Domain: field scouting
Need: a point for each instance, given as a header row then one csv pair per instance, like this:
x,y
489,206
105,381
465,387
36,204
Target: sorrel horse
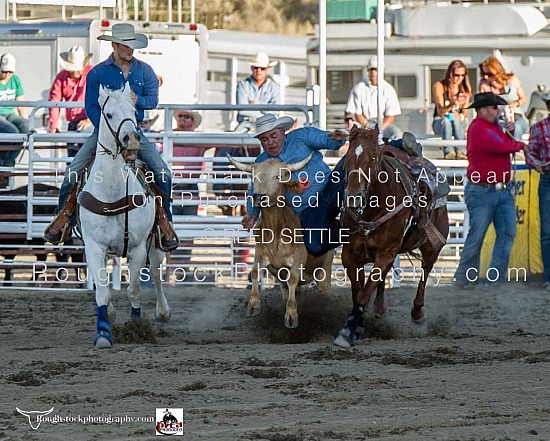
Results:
x,y
385,216
117,213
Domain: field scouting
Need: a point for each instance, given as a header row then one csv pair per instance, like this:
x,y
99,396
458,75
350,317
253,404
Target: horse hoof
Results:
x,y
252,311
135,314
163,318
103,340
291,323
421,317
343,339
380,313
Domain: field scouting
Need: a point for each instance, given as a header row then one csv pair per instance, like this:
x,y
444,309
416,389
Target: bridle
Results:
x,y
356,213
116,134
375,159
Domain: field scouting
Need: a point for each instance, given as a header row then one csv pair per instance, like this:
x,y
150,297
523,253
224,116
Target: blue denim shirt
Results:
x,y
299,144
142,79
247,90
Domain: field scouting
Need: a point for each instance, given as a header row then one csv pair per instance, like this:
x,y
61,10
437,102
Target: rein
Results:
x,y
367,227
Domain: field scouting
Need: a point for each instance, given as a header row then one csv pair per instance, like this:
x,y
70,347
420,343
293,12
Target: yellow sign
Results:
x,y
526,250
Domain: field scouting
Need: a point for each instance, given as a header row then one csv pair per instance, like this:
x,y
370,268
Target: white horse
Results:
x,y
116,213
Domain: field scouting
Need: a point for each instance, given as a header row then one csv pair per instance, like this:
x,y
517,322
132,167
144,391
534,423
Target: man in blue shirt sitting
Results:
x,y
113,73
258,88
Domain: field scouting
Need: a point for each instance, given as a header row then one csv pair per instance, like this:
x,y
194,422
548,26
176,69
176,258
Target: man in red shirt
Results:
x,y
70,85
488,192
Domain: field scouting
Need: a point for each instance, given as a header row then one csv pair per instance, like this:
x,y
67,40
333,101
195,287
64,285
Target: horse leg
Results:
x,y
254,302
97,264
353,328
291,313
162,311
136,261
380,307
429,257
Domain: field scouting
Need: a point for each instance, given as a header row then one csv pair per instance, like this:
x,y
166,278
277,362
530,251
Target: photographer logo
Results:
x,y
169,422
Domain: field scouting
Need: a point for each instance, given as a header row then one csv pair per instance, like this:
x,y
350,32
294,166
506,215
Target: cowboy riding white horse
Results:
x,y
117,212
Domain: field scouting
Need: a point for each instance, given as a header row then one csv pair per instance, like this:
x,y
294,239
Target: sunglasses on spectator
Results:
x,y
459,75
184,115
259,68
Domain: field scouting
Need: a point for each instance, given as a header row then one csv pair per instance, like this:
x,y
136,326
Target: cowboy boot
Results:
x,y
60,227
167,239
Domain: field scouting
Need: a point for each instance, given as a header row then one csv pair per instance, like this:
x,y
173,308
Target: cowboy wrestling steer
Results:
x,y
283,252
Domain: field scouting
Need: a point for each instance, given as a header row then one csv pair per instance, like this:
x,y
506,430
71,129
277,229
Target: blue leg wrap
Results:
x,y
136,313
103,326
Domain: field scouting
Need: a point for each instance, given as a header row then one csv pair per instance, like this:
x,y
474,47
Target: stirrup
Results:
x,y
61,236
158,240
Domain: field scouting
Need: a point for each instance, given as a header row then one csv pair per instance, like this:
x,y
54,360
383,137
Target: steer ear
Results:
x,y
299,165
239,165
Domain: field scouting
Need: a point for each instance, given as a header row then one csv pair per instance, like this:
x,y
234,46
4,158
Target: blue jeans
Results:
x,y
147,153
445,128
323,216
544,210
12,123
486,206
72,149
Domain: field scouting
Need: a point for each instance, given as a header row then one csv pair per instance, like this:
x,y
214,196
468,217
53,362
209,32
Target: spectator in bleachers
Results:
x,y
509,87
186,121
70,85
451,96
12,120
363,102
258,88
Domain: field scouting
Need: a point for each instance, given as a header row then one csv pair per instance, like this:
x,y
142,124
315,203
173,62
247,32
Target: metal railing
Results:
x,y
222,235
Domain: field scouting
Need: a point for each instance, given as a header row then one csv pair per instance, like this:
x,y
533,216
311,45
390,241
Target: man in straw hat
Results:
x,y
314,179
258,88
70,85
488,192
119,68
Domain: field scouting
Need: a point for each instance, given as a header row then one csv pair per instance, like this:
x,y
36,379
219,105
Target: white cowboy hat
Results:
x,y
268,122
150,116
262,60
74,59
197,118
124,33
373,63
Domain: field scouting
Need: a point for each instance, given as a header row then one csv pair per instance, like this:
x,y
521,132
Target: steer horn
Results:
x,y
239,165
299,165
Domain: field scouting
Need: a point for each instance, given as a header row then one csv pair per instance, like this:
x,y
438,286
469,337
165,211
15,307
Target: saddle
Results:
x,y
420,178
63,221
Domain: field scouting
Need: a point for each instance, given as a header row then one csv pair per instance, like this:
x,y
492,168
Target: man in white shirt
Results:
x,y
363,102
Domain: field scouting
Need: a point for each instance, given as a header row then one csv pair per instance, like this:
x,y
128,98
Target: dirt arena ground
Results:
x,y
478,369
